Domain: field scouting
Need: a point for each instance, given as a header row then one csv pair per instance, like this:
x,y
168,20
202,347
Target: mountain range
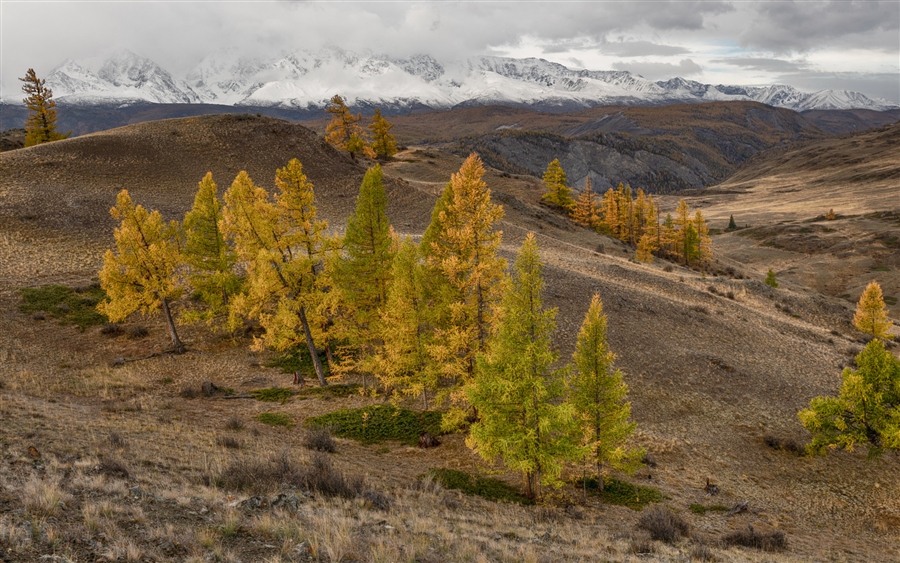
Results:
x,y
307,80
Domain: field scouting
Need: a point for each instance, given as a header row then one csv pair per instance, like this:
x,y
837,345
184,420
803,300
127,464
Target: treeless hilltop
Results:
x,y
717,365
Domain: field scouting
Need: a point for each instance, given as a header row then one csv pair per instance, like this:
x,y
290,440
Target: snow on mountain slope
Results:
x,y
309,79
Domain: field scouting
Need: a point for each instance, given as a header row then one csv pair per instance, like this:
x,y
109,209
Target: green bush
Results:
x,y
377,423
484,487
624,493
272,394
275,419
76,306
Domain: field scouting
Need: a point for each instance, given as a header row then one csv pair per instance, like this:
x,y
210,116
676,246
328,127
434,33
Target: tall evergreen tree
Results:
x,y
363,275
558,191
871,312
208,254
140,274
461,253
598,395
402,360
516,391
866,411
383,143
40,126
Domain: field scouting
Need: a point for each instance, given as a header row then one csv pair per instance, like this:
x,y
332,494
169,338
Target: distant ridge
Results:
x,y
307,80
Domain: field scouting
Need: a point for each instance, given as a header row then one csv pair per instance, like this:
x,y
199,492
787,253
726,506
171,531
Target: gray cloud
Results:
x,y
660,71
764,64
641,49
784,27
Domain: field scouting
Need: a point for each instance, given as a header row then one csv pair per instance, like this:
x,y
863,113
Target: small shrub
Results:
x,y
484,487
296,360
275,419
375,424
234,422
111,329
784,444
77,306
272,395
663,525
188,392
730,295
641,546
229,442
763,541
320,440
116,440
376,499
702,552
332,391
324,478
668,268
137,332
113,467
770,279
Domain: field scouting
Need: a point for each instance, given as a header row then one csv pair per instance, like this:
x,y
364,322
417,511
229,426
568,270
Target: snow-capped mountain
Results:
x,y
307,79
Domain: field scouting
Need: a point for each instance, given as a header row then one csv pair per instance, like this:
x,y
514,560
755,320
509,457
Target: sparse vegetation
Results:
x,y
76,306
623,493
275,419
377,423
663,524
763,541
485,487
702,509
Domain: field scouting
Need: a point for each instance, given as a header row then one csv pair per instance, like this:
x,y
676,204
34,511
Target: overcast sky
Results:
x,y
812,45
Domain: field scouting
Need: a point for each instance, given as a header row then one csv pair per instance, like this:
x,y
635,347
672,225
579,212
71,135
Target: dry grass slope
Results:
x,y
714,375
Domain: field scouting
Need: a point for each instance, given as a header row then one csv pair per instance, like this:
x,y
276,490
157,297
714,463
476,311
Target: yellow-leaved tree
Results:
x,y
587,209
344,131
871,312
465,273
140,274
282,245
40,126
383,143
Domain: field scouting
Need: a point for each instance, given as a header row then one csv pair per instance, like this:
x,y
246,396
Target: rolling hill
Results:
x,y
718,364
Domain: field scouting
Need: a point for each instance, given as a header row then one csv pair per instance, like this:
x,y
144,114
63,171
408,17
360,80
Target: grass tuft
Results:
x,y
375,424
474,485
275,419
272,394
72,306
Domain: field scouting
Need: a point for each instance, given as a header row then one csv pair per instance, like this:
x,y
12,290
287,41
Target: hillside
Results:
x,y
717,365
784,196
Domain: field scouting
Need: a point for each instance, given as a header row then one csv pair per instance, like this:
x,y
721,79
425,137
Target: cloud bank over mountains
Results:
x,y
816,45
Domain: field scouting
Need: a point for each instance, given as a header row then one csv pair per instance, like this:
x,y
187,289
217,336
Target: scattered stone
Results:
x,y
739,507
32,451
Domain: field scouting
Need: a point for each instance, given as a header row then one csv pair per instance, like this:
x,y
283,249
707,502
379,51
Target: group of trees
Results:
x,y
345,133
633,218
440,320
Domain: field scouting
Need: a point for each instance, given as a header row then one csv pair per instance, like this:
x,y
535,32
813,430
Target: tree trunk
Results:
x,y
317,363
529,493
177,345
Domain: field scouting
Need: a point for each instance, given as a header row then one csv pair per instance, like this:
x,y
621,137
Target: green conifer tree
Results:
x,y
558,191
517,393
770,279
865,412
598,396
208,254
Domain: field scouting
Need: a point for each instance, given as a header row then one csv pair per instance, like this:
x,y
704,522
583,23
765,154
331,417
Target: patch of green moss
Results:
x,y
272,394
76,306
275,419
623,493
377,423
484,487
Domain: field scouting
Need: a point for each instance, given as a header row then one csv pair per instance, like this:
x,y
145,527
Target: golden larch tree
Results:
x,y
587,209
871,312
558,191
344,132
383,143
140,274
40,126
